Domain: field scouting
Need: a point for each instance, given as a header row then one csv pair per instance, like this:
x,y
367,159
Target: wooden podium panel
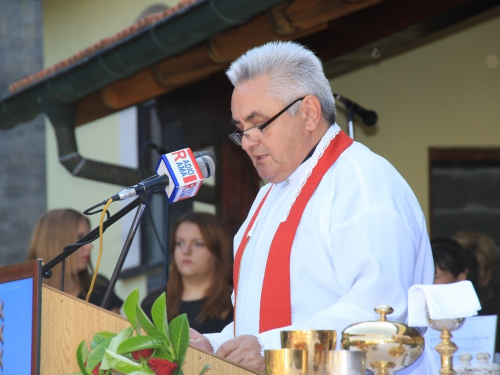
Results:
x,y
196,359
67,320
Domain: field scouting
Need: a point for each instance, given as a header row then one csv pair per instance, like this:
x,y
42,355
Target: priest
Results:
x,y
336,230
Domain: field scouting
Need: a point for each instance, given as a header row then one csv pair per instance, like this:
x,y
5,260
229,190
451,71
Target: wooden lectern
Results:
x,y
67,320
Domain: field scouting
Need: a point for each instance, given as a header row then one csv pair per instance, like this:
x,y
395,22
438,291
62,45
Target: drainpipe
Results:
x,y
63,118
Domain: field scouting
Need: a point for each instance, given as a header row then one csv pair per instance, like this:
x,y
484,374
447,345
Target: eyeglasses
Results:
x,y
237,135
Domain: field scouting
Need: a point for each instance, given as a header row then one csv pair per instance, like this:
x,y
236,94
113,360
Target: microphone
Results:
x,y
368,117
179,173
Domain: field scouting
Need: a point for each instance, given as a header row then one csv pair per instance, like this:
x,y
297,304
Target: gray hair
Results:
x,y
293,70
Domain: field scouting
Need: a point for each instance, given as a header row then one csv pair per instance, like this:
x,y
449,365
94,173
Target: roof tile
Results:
x,y
105,42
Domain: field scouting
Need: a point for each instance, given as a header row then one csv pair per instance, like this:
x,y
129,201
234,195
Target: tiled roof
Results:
x,y
105,42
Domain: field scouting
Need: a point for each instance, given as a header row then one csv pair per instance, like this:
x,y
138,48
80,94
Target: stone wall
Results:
x,y
22,148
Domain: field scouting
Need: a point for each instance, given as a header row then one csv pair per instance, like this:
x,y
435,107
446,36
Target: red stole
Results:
x,y
275,300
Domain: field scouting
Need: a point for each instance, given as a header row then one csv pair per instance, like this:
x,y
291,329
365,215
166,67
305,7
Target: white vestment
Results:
x,y
362,242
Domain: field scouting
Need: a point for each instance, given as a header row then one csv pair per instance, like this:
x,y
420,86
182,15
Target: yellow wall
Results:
x,y
440,94
69,26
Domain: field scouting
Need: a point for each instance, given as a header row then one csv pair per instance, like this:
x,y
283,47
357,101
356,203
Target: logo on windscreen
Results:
x,y
185,166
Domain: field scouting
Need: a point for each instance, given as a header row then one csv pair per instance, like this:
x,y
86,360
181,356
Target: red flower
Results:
x,y
95,371
162,366
144,353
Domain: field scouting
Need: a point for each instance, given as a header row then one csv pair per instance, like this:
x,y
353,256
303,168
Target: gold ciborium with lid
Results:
x,y
389,346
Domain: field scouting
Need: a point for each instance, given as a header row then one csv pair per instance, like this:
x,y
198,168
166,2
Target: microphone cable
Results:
x,y
101,245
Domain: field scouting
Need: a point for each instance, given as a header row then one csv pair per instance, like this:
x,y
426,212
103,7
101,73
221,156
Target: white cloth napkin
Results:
x,y
444,301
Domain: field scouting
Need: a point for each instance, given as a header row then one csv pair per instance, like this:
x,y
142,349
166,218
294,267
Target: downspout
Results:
x,y
63,117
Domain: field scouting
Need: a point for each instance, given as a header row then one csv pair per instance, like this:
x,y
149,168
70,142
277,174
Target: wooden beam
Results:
x,y
91,108
430,28
358,29
306,14
331,28
283,22
137,89
187,68
229,45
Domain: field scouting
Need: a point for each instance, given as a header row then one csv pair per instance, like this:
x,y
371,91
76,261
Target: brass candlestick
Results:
x,y
446,348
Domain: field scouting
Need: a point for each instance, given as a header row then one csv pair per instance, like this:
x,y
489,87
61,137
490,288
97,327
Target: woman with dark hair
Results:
x,y
452,263
53,232
199,274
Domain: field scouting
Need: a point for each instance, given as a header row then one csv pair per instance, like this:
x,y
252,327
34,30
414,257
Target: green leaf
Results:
x,y
125,365
159,315
179,361
82,353
100,337
204,369
115,343
148,326
97,355
130,309
138,343
179,334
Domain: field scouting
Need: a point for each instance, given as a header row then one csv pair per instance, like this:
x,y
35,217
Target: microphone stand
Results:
x,y
369,117
351,110
89,237
143,202
166,255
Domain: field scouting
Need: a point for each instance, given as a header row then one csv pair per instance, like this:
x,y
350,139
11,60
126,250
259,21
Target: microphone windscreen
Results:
x,y
370,118
206,161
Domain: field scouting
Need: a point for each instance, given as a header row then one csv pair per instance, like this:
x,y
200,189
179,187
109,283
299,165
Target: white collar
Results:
x,y
302,173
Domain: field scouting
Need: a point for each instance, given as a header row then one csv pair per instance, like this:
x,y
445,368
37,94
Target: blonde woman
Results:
x,y
55,230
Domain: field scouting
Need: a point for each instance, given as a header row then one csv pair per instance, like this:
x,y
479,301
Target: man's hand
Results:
x,y
244,350
197,340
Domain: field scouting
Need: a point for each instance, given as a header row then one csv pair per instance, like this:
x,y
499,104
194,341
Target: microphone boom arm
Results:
x,y
89,237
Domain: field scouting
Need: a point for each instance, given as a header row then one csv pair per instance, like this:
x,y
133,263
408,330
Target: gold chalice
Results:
x,y
389,346
285,362
316,342
445,348
345,362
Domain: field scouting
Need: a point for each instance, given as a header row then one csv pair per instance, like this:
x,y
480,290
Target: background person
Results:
x,y
198,283
53,232
452,263
482,247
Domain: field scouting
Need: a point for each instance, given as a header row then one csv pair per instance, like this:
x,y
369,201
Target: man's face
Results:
x,y
282,146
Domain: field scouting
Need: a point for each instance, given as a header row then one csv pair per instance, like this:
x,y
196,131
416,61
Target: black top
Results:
x,y
100,287
192,310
